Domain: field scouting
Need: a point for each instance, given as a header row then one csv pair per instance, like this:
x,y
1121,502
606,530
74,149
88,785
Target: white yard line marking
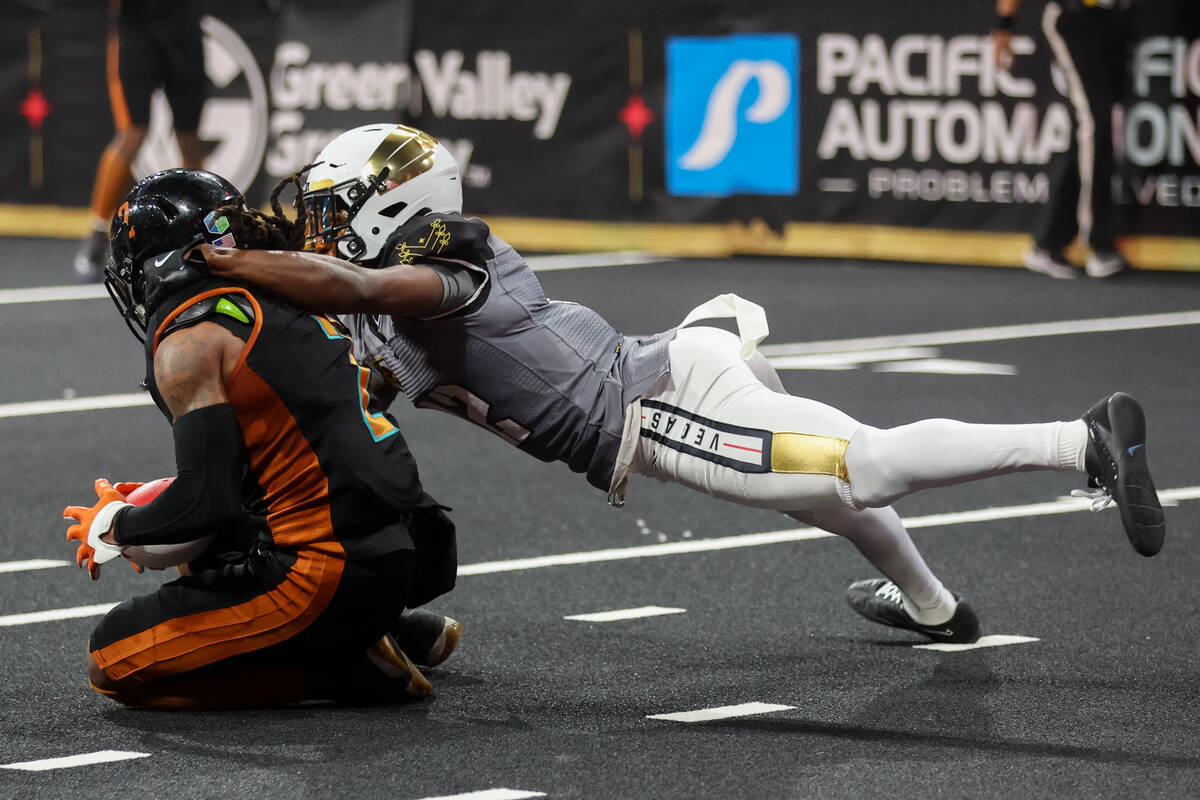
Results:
x,y
995,640
721,712
893,359
81,760
778,353
490,794
626,613
546,263
851,359
48,294
586,260
646,551
1064,505
95,403
30,564
946,366
56,614
993,334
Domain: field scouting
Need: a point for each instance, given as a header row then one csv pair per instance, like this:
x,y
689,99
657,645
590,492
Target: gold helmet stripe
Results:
x,y
406,152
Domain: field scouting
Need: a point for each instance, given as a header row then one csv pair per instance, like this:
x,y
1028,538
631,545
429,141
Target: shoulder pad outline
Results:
x,y
234,306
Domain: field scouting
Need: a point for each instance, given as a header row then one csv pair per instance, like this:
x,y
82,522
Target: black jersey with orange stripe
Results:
x,y
326,466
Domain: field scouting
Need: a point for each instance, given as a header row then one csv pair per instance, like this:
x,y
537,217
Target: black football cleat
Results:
x,y
398,669
430,637
1116,462
881,601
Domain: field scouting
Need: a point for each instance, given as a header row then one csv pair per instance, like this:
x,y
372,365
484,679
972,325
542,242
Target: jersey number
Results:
x,y
461,403
379,425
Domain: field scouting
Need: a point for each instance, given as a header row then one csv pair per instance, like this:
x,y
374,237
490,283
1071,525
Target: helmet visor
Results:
x,y
326,220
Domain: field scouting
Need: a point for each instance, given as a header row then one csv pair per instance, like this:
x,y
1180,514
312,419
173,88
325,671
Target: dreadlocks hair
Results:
x,y
254,229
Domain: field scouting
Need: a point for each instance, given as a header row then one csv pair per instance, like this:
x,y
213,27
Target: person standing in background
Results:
x,y
1089,41
151,44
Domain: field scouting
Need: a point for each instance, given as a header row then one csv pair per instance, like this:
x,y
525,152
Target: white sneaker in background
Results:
x,y
1105,264
89,260
1053,264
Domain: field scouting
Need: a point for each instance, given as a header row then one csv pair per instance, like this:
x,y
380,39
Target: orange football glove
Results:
x,y
91,524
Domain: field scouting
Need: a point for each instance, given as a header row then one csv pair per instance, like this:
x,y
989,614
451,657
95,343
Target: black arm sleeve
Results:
x,y
207,492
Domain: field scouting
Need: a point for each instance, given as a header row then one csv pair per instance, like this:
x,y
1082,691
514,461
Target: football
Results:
x,y
161,556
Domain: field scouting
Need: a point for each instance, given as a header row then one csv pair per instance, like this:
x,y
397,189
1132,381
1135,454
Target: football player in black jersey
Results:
x,y
450,314
322,532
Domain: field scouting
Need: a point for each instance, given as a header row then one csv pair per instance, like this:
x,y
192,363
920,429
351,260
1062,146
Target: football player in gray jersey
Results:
x,y
453,316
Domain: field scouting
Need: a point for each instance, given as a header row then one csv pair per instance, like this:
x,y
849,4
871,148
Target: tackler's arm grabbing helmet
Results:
x,y
369,181
167,211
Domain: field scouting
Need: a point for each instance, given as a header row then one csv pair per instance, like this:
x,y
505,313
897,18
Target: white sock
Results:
x,y
933,610
1072,445
879,534
885,465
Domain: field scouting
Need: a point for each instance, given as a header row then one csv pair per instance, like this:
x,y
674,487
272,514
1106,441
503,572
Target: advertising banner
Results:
x,y
332,68
1158,131
524,98
889,118
53,100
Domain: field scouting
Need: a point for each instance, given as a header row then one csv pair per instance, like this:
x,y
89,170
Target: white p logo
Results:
x,y
719,130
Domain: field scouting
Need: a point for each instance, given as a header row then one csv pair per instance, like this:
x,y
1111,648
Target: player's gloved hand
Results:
x,y
173,271
92,524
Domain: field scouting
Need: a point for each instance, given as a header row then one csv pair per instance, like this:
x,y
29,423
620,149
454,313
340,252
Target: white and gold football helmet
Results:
x,y
369,181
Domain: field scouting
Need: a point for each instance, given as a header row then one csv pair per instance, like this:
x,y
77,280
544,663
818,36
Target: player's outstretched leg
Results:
x,y
913,598
1116,463
881,601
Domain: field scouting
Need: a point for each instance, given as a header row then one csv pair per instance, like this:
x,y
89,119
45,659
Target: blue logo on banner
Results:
x,y
733,115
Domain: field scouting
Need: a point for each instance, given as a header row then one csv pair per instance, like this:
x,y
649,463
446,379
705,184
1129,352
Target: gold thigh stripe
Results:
x,y
809,454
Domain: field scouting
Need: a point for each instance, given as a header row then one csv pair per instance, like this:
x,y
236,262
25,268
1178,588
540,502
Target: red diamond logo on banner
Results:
x,y
35,108
636,115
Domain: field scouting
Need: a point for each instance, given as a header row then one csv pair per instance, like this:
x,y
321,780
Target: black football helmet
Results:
x,y
164,212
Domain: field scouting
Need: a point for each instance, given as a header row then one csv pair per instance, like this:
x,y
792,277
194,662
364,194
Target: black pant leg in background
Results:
x,y
1089,46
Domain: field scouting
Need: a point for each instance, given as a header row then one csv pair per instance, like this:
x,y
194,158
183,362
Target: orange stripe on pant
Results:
x,y
116,93
196,640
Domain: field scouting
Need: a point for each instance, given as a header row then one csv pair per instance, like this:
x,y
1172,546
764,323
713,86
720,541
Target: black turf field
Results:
x,y
1105,704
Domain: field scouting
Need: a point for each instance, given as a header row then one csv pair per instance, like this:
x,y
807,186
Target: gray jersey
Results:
x,y
551,377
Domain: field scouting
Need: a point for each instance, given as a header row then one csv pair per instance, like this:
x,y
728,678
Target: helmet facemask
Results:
x,y
124,289
330,210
